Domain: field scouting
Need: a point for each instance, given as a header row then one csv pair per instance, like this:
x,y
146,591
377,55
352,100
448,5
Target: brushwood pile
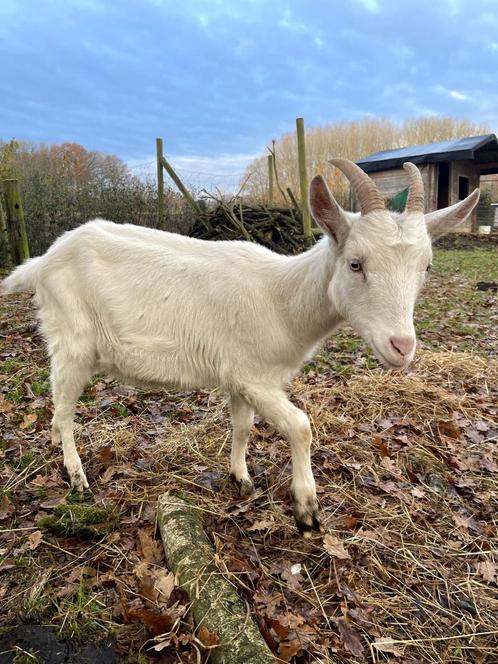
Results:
x,y
278,228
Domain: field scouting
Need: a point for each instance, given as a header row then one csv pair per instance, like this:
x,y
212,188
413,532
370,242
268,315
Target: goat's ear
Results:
x,y
327,212
441,222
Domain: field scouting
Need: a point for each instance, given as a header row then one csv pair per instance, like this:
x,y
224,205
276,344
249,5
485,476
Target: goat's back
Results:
x,y
162,307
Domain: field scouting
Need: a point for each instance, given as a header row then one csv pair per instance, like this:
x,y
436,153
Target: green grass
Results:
x,y
475,264
24,461
452,313
84,615
41,386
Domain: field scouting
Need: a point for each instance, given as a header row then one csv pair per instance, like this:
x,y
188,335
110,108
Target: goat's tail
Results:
x,y
24,277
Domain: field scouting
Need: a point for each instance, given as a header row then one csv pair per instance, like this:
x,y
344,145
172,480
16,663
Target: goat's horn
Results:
x,y
369,196
415,201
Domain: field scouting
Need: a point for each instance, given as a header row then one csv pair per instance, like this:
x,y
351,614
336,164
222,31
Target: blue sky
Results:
x,y
217,79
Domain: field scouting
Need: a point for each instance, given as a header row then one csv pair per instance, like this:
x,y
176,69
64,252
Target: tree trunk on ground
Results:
x,y
215,603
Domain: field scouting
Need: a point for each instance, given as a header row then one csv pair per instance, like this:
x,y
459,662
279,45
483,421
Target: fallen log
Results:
x,y
215,602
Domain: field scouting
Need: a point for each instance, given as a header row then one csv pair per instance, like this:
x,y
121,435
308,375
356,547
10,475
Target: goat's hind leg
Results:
x,y
68,379
242,421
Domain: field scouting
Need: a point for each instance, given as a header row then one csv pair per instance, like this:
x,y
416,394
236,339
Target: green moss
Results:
x,y
80,520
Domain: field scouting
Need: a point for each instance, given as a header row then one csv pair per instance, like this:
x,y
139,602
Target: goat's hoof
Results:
x,y
245,487
307,520
77,479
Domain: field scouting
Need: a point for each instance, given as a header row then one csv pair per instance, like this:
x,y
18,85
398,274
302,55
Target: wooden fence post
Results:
x,y
187,195
270,179
16,227
303,179
160,183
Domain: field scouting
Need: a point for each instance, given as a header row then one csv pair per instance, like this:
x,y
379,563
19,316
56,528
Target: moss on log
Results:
x,y
215,603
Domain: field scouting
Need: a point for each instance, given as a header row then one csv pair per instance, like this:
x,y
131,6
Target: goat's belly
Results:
x,y
144,371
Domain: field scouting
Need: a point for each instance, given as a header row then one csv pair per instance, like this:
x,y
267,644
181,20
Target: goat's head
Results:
x,y
382,257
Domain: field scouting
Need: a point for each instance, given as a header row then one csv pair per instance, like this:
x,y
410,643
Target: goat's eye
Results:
x,y
429,267
355,266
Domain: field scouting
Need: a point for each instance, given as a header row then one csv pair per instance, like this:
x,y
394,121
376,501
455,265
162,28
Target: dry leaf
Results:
x,y
461,521
378,443
156,623
152,550
34,539
164,583
335,547
350,521
6,406
449,428
6,507
207,638
488,570
106,454
29,420
293,581
288,650
108,474
350,637
291,620
261,525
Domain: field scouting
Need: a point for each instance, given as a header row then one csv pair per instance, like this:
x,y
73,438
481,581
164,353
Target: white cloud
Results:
x,y
372,6
288,22
461,96
454,94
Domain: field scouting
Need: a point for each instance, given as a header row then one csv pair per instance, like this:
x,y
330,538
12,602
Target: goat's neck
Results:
x,y
302,286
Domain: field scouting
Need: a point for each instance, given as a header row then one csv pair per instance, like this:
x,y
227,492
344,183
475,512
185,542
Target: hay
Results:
x,y
399,485
410,496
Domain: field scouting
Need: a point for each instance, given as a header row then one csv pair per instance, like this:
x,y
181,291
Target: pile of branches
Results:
x,y
277,228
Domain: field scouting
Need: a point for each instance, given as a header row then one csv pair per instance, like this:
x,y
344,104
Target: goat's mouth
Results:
x,y
390,362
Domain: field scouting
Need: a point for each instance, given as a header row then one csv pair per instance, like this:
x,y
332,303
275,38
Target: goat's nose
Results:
x,y
403,345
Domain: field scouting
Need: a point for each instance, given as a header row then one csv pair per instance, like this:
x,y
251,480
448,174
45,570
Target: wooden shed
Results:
x,y
450,169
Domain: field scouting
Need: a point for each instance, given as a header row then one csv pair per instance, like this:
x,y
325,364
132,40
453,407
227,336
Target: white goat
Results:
x,y
155,308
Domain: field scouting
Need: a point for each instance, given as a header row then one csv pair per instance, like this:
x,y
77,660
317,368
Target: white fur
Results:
x,y
155,308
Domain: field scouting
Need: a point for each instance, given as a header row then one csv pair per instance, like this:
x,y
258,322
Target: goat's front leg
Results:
x,y
293,423
242,421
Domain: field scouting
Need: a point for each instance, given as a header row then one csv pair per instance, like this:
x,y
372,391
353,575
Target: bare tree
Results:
x,y
350,140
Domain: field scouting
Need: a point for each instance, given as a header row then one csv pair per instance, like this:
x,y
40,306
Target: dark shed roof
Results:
x,y
457,149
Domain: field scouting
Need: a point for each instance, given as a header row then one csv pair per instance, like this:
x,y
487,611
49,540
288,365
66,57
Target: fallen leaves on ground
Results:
x,y
407,477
